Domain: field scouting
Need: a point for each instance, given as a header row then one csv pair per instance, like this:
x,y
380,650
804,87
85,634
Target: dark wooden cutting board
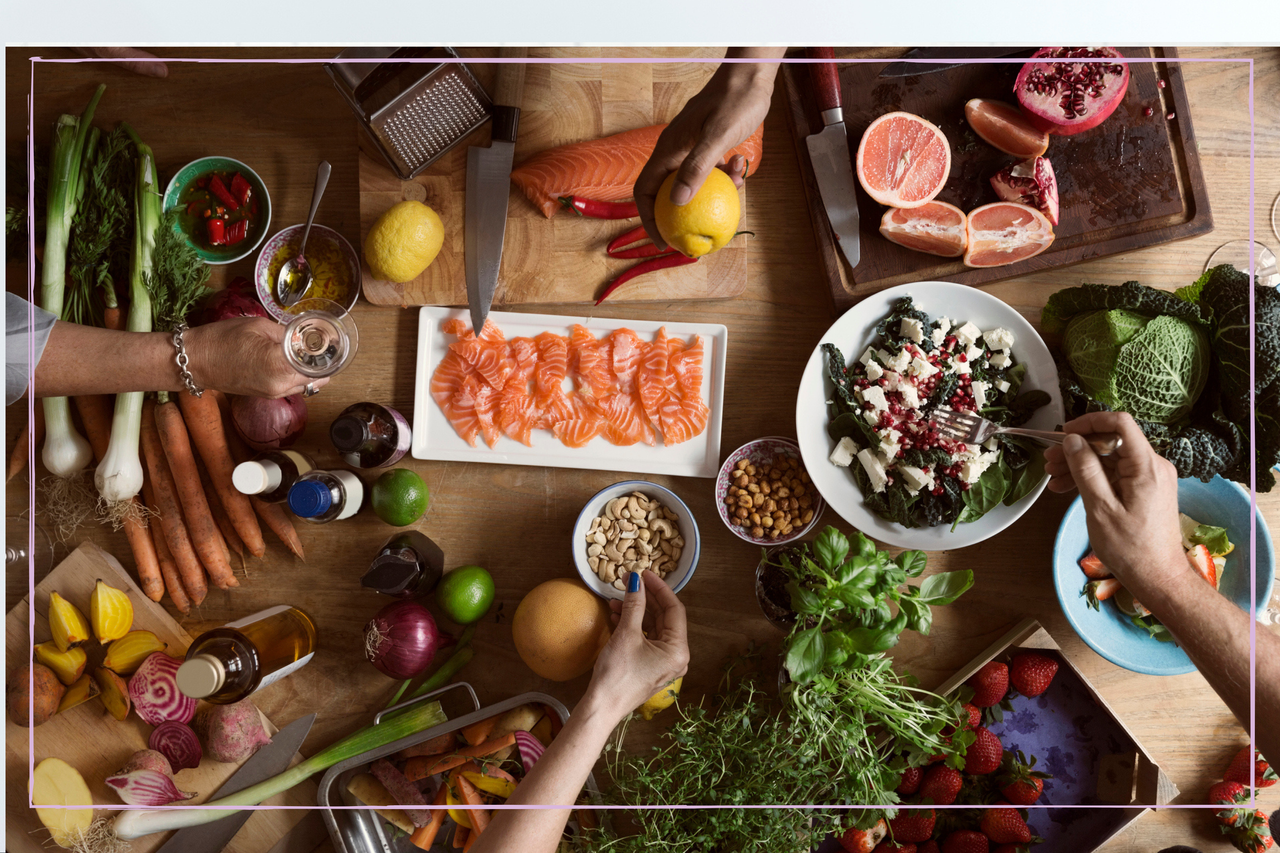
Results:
x,y
1133,181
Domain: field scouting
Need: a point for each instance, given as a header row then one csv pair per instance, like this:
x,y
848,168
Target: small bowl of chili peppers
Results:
x,y
223,207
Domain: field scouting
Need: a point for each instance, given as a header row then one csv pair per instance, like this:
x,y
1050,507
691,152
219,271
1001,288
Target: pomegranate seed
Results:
x,y
1160,83
962,358
1149,112
1170,116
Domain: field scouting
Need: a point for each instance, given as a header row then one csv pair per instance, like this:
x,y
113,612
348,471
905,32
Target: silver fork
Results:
x,y
972,429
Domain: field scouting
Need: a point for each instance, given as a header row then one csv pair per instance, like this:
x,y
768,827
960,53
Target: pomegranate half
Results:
x,y
936,228
1030,182
1068,90
1004,233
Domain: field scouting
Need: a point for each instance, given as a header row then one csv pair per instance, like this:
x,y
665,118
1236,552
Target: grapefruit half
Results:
x,y
903,160
1004,233
935,227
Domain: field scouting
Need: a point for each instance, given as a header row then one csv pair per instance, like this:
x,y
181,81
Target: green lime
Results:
x,y
400,497
465,594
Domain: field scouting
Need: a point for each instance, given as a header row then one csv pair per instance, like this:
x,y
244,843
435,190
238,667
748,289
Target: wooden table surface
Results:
x,y
516,521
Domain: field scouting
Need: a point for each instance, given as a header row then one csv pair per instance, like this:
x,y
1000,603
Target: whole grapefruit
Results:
x,y
559,629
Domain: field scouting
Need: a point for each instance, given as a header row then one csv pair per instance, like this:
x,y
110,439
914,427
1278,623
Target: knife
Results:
x,y
829,153
488,185
270,760
913,69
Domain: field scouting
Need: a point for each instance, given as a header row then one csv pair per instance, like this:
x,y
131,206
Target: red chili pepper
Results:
x,y
648,250
218,188
217,236
600,209
652,265
240,188
236,232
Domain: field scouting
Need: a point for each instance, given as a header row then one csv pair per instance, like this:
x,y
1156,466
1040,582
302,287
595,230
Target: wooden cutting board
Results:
x,y
1133,181
95,743
562,259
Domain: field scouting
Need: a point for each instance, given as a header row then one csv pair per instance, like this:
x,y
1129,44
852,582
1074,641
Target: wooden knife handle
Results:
x,y
508,89
825,78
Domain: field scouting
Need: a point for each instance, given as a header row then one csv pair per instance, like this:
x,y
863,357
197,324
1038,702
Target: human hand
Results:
x,y
720,117
1130,502
140,62
244,355
648,650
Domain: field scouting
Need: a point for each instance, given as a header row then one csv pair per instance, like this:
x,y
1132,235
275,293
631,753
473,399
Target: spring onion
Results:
x,y
136,823
65,451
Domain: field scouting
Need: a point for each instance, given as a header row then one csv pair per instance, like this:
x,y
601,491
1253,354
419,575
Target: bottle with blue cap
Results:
x,y
323,496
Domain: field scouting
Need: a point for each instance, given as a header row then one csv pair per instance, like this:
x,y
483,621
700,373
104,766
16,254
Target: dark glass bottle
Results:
x,y
407,566
322,496
229,663
271,474
370,436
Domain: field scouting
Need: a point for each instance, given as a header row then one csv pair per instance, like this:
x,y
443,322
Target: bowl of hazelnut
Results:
x,y
764,494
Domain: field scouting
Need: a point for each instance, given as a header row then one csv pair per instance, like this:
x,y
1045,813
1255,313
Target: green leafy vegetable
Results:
x,y
1213,538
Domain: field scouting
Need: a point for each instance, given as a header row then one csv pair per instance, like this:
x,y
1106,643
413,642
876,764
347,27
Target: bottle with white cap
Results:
x,y
324,496
229,663
271,475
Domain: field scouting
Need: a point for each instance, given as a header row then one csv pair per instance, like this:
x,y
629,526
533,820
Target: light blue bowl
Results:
x,y
1109,632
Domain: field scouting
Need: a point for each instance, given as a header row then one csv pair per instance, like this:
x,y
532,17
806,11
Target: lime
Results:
x,y
400,497
465,594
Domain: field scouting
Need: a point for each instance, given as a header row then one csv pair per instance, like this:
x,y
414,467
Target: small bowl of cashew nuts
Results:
x,y
634,526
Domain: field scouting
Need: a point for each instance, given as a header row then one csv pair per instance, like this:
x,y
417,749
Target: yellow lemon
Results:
x,y
664,698
706,222
403,242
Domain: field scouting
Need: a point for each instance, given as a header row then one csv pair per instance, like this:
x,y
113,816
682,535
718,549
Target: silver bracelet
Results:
x,y
183,361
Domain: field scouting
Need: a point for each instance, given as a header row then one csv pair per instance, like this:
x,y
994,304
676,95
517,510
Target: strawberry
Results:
x,y
888,846
928,847
1250,833
989,684
1023,792
1093,568
966,841
975,715
1020,784
1009,848
940,785
913,825
1202,561
910,782
1096,591
1245,762
857,840
1228,794
984,754
1005,826
1032,672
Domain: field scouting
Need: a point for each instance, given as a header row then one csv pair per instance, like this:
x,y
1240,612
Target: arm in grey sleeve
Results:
x,y
24,342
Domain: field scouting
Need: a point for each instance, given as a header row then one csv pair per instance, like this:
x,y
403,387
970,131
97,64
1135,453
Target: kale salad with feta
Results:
x,y
880,419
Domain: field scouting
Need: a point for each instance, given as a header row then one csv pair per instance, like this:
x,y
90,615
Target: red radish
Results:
x,y
1004,127
530,749
1202,561
1004,233
936,228
1093,568
401,640
1064,96
231,733
177,743
1030,182
153,689
269,424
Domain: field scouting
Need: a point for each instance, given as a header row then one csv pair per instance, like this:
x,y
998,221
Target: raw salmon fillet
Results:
x,y
604,169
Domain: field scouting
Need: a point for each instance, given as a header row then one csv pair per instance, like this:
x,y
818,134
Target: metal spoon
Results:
x,y
295,276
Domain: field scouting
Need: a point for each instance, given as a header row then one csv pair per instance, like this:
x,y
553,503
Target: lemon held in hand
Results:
x,y
465,594
664,698
706,222
400,497
403,242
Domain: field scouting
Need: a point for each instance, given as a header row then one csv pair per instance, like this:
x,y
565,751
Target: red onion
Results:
x,y
146,788
237,300
269,424
530,749
402,639
178,743
155,694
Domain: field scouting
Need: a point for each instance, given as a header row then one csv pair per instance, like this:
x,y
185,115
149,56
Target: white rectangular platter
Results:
x,y
435,438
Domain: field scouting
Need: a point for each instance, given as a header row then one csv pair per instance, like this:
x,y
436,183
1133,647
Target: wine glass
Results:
x,y
1275,217
1237,253
24,542
321,339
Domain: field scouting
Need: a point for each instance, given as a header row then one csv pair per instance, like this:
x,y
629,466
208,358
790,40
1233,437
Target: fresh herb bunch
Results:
x,y
100,231
178,279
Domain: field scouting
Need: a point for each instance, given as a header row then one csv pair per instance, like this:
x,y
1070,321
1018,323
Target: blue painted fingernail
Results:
x,y
633,582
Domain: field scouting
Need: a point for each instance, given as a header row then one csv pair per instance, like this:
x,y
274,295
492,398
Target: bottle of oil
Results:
x,y
271,475
227,664
324,496
370,436
409,565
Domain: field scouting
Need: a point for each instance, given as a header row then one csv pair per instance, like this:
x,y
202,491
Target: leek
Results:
x,y
119,475
136,823
65,451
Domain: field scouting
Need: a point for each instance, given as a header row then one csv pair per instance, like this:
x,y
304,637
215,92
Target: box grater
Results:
x,y
412,111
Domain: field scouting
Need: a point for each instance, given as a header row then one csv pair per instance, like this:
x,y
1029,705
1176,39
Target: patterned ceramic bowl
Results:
x,y
761,452
175,197
321,239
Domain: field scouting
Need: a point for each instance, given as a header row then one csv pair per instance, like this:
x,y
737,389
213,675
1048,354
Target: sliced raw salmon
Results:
x,y
487,359
625,352
460,409
590,360
651,377
448,377
603,169
624,420
517,415
683,419
552,367
486,405
687,367
577,432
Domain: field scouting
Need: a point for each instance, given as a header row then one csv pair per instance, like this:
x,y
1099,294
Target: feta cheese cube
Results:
x,y
971,451
972,469
958,366
875,396
1000,360
990,457
921,369
891,381
889,442
979,389
998,338
991,443
875,470
868,357
843,453
914,478
944,325
1001,385
910,396
938,336
871,416
911,329
899,361
883,356
874,371
974,352
968,334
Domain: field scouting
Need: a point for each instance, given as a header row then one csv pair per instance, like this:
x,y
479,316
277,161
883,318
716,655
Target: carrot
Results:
x,y
276,519
175,532
22,449
113,318
96,411
204,421
424,836
195,507
436,746
477,732
476,813
144,555
488,747
168,570
225,527
472,835
429,765
460,834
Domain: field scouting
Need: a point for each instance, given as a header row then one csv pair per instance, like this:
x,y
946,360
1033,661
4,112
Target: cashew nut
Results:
x,y
665,545
629,534
594,563
618,584
629,554
663,528
675,554
644,547
627,526
645,533
608,573
611,551
598,538
634,533
633,507
594,550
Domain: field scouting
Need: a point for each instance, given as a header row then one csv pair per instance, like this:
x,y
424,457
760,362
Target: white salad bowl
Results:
x,y
852,333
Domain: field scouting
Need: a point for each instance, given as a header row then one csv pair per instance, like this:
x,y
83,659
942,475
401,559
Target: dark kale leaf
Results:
x,y
1131,295
1025,406
888,328
839,374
